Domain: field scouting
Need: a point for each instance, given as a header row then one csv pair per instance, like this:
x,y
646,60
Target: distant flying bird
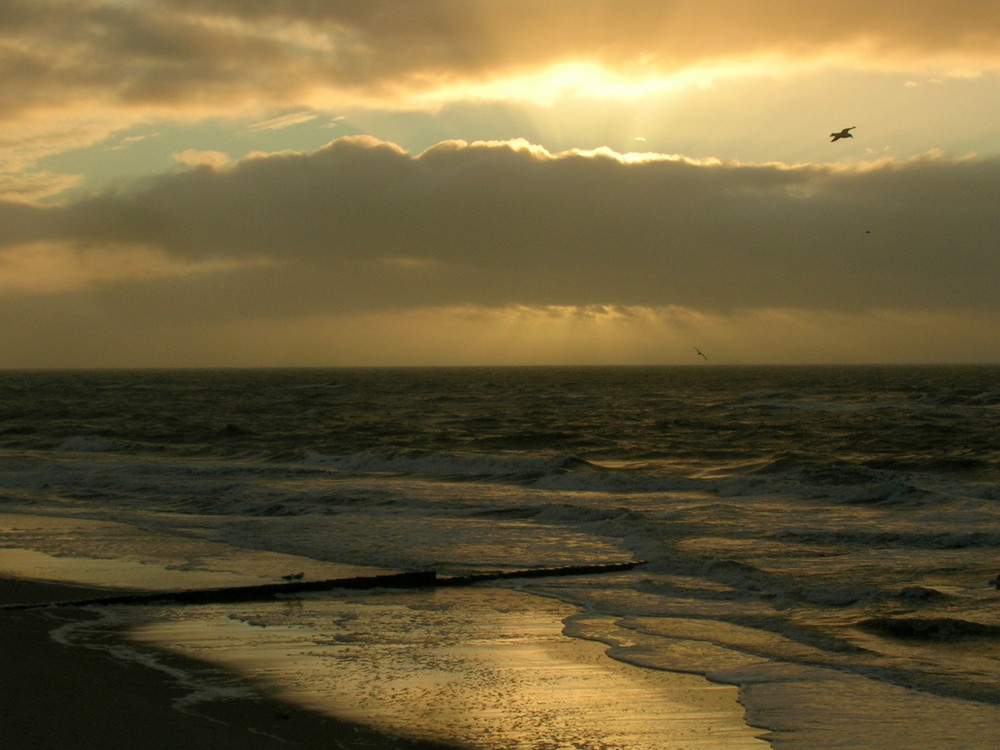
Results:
x,y
845,133
293,577
700,354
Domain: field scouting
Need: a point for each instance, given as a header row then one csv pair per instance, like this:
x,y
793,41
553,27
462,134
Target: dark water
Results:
x,y
935,419
814,518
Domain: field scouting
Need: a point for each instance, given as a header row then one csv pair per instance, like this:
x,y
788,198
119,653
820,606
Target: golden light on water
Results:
x,y
490,668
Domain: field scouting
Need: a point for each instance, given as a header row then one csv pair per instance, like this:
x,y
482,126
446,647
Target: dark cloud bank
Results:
x,y
361,225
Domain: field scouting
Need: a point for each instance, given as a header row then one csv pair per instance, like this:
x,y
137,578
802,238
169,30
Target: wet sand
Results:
x,y
57,697
511,674
473,667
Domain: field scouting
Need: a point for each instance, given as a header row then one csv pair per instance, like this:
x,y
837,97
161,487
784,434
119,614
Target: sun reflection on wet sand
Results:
x,y
488,668
118,555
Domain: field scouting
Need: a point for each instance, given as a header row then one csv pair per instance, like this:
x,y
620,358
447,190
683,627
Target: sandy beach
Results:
x,y
483,667
68,696
58,697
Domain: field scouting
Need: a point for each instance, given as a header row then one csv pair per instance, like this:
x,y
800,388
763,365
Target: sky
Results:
x,y
261,183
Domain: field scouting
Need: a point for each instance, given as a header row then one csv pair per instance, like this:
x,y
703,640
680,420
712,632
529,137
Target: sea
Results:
x,y
822,541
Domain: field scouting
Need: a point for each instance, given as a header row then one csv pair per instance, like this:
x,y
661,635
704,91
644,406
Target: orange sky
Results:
x,y
261,182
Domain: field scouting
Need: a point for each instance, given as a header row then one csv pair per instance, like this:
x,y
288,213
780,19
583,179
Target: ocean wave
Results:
x,y
838,482
934,628
471,465
966,397
922,595
929,540
748,582
557,473
96,444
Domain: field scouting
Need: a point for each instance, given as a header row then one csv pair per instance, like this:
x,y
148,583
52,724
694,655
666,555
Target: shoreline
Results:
x,y
58,696
426,668
85,698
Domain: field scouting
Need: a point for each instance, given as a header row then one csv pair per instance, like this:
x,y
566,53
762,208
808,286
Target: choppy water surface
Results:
x,y
821,537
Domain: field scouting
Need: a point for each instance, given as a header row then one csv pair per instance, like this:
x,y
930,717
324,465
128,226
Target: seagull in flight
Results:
x,y
845,133
700,354
293,577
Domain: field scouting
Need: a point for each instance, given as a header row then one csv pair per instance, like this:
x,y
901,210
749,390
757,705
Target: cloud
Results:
x,y
67,330
212,55
32,185
45,268
283,121
77,71
380,38
192,158
365,241
361,225
131,141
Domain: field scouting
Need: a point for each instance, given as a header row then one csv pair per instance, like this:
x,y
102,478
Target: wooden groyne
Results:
x,y
569,570
267,591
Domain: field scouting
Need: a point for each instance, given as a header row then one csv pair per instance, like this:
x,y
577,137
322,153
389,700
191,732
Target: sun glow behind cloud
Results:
x,y
572,180
559,82
591,80
559,335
